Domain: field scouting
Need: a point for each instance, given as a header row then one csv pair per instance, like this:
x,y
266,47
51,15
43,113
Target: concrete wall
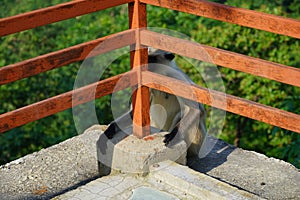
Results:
x,y
67,165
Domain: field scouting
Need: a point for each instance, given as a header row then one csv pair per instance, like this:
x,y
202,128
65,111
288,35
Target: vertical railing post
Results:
x,y
138,62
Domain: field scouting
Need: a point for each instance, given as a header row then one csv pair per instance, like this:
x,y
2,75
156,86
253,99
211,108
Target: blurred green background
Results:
x,y
240,131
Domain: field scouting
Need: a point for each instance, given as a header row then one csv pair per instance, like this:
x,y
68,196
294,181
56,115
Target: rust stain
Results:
x,y
149,138
41,190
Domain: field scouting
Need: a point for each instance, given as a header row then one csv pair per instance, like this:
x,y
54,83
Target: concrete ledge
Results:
x,y
128,154
67,165
53,170
254,172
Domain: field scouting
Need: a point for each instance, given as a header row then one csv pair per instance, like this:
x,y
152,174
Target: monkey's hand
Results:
x,y
170,136
110,131
107,135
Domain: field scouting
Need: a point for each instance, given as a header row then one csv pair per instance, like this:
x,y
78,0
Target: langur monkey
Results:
x,y
180,117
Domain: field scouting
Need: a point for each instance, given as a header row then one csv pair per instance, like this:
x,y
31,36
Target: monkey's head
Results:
x,y
160,56
162,62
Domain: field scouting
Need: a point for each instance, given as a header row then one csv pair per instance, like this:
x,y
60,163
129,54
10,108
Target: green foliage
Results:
x,y
255,135
28,44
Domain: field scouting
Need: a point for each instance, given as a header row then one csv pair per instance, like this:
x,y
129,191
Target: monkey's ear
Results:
x,y
169,56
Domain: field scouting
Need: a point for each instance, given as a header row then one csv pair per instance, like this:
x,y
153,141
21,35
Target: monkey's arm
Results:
x,y
191,115
120,123
114,127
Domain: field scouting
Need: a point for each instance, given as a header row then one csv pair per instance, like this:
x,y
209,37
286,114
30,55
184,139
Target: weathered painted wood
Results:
x,y
139,57
63,57
65,101
255,66
250,109
240,16
53,14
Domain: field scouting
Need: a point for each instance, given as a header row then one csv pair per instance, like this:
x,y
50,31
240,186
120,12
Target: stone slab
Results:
x,y
253,172
128,154
53,170
166,180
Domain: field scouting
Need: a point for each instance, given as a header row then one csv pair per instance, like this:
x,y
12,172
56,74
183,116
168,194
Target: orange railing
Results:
x,y
139,38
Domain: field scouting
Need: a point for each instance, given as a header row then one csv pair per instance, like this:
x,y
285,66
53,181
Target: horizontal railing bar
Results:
x,y
53,14
255,66
240,16
250,109
65,101
66,56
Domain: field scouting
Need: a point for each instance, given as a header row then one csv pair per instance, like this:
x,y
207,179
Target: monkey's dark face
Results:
x,y
160,58
169,56
152,59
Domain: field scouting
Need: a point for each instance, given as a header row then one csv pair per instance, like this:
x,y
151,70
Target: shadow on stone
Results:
x,y
217,156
